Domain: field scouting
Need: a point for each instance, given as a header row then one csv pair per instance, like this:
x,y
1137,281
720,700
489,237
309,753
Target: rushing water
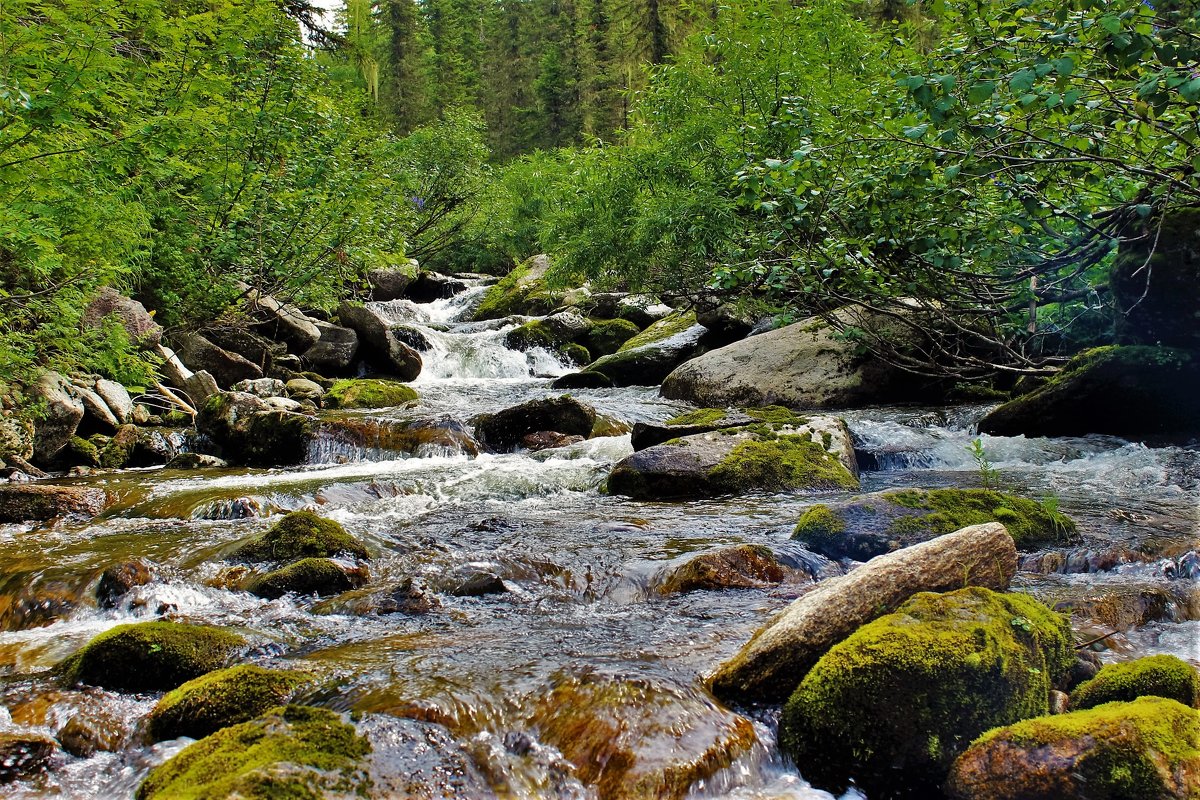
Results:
x,y
578,566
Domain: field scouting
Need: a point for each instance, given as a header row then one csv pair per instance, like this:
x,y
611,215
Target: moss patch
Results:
x,y
605,337
1030,523
301,534
220,699
819,523
369,393
1158,676
292,753
785,462
318,576
150,656
665,328
907,693
701,416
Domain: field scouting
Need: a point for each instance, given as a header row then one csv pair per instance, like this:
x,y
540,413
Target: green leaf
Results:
x,y
981,91
916,131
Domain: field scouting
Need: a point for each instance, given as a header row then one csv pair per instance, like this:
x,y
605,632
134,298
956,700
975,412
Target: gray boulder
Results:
x,y
282,321
384,342
132,315
430,286
63,413
650,356
94,407
334,351
252,346
200,386
390,284
262,387
779,655
304,389
198,353
505,429
116,398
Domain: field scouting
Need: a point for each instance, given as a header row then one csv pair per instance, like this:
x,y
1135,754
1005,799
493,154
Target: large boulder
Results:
x,y
198,353
254,347
249,432
874,524
1149,748
116,398
62,412
780,654
1159,676
384,343
219,699
804,454
522,291
1122,391
806,365
334,352
390,283
301,534
430,286
1155,283
645,359
369,393
898,700
705,420
150,656
132,446
96,414
281,321
505,429
138,323
41,502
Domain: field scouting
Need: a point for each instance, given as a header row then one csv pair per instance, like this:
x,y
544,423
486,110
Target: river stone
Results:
x,y
171,368
262,387
24,754
634,739
36,604
806,455
116,398
249,432
227,368
41,502
704,420
504,430
743,566
522,291
298,535
418,760
119,579
60,419
282,321
548,440
1131,392
134,318
805,366
1149,748
196,461
1159,676
390,283
204,705
640,309
96,412
409,596
367,437
779,655
645,359
308,576
1120,602
382,341
304,389
334,352
430,286
252,346
200,386
150,656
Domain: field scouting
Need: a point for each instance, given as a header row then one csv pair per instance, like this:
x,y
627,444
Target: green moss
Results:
x,y
775,415
819,522
665,328
535,333
81,452
606,336
318,576
293,753
119,450
907,693
369,393
301,534
575,353
521,291
787,462
150,656
1030,523
1160,676
701,416
1130,750
220,699
769,415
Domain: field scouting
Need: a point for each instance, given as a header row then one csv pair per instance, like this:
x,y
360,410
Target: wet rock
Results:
x,y
42,502
319,576
522,291
743,566
1096,391
132,446
357,437
116,398
247,431
94,728
871,525
1159,676
583,380
119,579
301,534
253,347
409,596
220,699
63,411
504,430
642,310
548,440
150,656
634,740
1121,602
334,352
1155,282
806,365
369,393
79,453
132,316
294,751
304,389
35,605
908,693
419,761
390,284
1149,748
383,343
724,319
262,387
606,337
647,358
779,655
470,580
803,455
282,322
199,354
430,286
24,754
705,420
196,461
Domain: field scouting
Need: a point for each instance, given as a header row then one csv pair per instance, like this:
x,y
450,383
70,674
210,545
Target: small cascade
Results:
x,y
352,439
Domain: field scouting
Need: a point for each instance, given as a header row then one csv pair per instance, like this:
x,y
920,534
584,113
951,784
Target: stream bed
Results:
x,y
578,567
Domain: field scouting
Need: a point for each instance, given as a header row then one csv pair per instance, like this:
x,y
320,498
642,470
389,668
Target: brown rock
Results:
x,y
41,502
119,579
133,316
743,566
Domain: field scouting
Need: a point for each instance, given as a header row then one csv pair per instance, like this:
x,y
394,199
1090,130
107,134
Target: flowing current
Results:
x,y
578,565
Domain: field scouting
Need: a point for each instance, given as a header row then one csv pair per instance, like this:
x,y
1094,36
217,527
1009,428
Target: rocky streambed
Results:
x,y
503,618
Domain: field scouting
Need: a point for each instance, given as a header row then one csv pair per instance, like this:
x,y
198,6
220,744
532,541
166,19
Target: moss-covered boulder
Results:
x,y
1155,282
606,337
293,752
150,656
1159,676
645,359
1134,392
319,576
543,334
505,429
906,694
301,534
220,699
369,393
704,420
523,291
815,455
248,431
875,524
1146,749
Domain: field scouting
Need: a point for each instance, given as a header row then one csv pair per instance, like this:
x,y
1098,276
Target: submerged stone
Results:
x,y
743,566
150,656
505,429
41,502
24,754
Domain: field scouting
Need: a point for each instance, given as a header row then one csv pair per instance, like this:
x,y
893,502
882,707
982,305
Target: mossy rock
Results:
x,y
606,337
704,420
150,656
369,393
671,325
319,576
220,699
521,291
779,464
907,693
875,524
1159,676
80,452
292,753
535,333
301,534
1149,748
